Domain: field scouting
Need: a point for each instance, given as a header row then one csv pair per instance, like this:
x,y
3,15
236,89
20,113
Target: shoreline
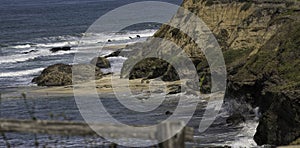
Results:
x,y
103,86
16,91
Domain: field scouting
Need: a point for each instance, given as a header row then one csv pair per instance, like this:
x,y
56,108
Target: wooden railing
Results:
x,y
83,129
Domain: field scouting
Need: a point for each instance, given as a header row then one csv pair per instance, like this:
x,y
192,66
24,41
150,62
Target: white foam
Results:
x,y
25,57
21,73
57,44
22,46
16,58
245,136
117,60
92,38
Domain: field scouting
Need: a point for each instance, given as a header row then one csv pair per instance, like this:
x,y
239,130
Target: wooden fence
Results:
x,y
82,129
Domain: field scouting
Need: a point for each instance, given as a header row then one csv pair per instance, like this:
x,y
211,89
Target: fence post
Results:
x,y
167,129
113,145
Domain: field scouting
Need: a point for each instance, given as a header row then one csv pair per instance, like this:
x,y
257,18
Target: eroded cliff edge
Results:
x,y
260,42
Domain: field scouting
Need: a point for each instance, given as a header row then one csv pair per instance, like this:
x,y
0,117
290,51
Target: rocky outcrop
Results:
x,y
270,80
280,123
260,43
100,62
61,74
151,68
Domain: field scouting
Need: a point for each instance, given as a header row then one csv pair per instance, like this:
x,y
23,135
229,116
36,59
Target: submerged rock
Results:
x,y
168,113
61,74
31,51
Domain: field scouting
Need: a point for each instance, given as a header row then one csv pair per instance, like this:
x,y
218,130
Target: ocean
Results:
x,y
30,28
37,26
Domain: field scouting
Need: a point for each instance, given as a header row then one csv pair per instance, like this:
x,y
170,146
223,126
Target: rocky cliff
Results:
x,y
260,43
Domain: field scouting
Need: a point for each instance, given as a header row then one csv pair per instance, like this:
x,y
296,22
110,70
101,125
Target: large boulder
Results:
x,y
101,62
61,74
149,68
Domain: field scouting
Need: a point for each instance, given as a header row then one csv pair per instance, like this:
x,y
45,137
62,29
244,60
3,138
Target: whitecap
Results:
x,y
25,57
21,73
245,136
22,46
57,44
116,38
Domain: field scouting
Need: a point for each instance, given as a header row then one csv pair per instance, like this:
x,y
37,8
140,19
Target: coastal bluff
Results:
x,y
260,44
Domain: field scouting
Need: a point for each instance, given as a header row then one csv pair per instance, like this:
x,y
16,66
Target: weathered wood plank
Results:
x,y
167,130
82,129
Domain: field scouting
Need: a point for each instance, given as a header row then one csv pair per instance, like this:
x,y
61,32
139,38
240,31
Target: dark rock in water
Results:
x,y
235,119
101,62
138,36
168,113
130,38
27,52
56,49
109,41
61,74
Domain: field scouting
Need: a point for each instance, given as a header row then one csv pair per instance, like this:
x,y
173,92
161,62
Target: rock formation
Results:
x,y
61,74
101,62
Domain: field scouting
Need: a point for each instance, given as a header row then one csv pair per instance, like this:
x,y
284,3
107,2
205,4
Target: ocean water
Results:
x,y
64,108
34,25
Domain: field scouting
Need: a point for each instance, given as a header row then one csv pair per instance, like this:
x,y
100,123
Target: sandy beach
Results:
x,y
104,86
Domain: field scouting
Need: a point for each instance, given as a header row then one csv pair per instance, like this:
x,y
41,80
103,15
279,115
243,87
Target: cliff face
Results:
x,y
237,25
271,80
260,43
